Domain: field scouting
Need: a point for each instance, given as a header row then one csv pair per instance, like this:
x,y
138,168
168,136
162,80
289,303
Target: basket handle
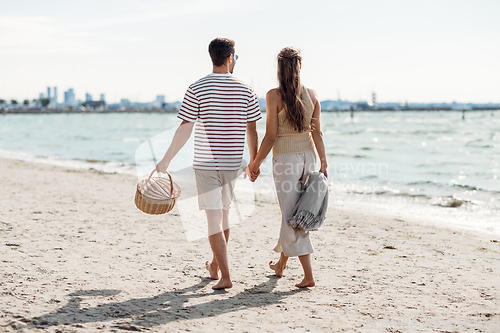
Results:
x,y
171,182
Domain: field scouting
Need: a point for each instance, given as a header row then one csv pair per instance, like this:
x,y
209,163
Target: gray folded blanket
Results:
x,y
310,211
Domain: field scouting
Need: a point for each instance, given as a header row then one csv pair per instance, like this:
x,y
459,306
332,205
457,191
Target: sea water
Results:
x,y
428,165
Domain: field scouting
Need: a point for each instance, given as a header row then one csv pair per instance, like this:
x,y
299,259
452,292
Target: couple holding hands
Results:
x,y
224,110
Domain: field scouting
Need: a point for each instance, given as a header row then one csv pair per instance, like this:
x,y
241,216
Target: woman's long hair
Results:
x,y
289,60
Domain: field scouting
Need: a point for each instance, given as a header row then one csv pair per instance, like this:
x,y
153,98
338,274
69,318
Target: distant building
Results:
x,y
48,92
88,97
334,105
54,98
69,98
374,99
460,106
125,103
41,96
361,105
159,101
102,98
160,98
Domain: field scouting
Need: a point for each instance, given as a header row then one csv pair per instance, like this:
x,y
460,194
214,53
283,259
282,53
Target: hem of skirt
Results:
x,y
277,250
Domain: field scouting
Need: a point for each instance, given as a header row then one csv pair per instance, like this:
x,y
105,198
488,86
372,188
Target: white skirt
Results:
x,y
290,171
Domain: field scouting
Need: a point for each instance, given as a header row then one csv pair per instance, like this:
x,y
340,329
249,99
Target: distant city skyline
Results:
x,y
415,52
71,100
90,104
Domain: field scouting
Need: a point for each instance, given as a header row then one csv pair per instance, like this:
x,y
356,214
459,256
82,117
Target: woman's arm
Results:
x,y
317,135
271,132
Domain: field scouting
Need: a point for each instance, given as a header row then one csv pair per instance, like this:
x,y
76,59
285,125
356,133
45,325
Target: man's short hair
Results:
x,y
220,49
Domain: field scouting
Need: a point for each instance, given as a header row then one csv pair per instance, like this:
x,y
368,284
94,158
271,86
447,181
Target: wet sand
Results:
x,y
78,256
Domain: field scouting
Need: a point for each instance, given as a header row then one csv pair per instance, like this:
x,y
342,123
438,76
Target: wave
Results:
x,y
352,132
447,197
369,177
480,147
478,143
423,196
424,182
450,202
419,132
437,173
347,155
453,163
390,193
461,186
82,138
468,187
93,161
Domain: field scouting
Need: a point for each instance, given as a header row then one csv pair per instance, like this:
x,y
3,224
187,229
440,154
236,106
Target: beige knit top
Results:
x,y
288,140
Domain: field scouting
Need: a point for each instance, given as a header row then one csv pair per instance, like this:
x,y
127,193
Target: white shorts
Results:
x,y
215,188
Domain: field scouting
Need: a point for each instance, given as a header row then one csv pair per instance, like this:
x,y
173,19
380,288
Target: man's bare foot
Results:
x,y
277,267
214,273
223,284
306,283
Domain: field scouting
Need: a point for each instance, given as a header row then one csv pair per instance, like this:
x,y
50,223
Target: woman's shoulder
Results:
x,y
273,93
313,94
273,96
273,100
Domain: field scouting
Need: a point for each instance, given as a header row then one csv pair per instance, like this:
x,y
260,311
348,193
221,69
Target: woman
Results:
x,y
292,130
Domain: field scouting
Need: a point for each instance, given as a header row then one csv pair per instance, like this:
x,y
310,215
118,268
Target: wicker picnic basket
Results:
x,y
156,195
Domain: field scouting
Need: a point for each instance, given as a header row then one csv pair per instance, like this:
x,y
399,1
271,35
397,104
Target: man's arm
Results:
x,y
180,138
252,139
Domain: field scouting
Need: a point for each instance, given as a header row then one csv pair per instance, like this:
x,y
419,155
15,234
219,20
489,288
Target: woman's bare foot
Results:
x,y
277,267
214,272
306,283
223,284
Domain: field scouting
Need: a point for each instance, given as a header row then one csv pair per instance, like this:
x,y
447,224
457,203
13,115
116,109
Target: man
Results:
x,y
224,108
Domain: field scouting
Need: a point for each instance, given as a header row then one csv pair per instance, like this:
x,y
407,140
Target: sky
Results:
x,y
405,51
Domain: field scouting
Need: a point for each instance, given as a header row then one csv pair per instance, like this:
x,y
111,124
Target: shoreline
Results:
x,y
78,255
352,203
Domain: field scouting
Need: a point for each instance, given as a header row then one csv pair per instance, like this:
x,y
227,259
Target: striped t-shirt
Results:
x,y
221,105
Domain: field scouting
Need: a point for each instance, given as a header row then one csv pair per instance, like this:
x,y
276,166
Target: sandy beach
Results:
x,y
78,256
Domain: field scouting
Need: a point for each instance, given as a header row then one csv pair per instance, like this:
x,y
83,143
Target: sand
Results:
x,y
76,255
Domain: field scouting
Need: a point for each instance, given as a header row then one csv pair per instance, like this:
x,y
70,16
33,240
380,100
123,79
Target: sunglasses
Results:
x,y
235,57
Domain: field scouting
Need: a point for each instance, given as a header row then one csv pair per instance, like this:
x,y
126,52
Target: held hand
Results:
x,y
323,170
246,173
254,176
253,171
162,166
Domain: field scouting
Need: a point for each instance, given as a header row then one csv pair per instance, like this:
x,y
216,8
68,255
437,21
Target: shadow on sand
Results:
x,y
159,309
